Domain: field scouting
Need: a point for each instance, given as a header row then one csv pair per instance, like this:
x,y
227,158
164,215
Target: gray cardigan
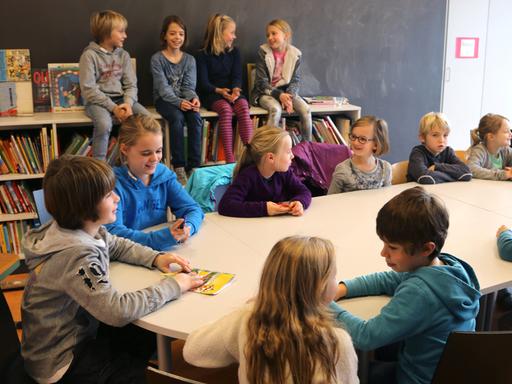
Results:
x,y
479,162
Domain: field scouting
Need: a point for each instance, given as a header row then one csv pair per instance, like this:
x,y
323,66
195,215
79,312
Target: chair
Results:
x,y
203,183
399,172
42,213
462,155
251,77
475,357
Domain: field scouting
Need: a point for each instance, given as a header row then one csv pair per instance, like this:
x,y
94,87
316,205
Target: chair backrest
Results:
x,y
251,77
475,357
42,213
462,155
399,172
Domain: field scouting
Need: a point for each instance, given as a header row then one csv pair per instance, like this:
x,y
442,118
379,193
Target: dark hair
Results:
x,y
74,186
489,123
380,132
165,26
412,219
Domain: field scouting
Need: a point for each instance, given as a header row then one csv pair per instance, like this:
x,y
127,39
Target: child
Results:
x,y
433,293
219,70
490,157
433,161
107,80
70,310
277,80
263,184
285,335
146,189
368,139
174,84
504,235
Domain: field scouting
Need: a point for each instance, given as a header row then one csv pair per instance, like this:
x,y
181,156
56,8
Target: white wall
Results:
x,y
474,87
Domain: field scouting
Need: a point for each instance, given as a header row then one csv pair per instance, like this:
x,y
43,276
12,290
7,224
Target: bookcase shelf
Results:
x,y
20,176
18,216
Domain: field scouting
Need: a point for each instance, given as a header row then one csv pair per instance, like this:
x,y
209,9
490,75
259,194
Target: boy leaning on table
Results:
x,y
432,293
74,321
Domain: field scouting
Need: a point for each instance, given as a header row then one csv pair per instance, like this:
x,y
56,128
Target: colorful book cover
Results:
x,y
7,99
41,90
214,282
65,92
15,65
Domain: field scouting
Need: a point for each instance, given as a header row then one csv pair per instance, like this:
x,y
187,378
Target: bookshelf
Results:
x,y
58,125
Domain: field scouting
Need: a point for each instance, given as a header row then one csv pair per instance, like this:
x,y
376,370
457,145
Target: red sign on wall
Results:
x,y
466,47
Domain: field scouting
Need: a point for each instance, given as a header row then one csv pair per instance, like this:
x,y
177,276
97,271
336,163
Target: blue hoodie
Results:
x,y
505,245
142,206
426,306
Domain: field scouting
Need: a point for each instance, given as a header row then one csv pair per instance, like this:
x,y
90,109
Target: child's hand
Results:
x,y
122,111
508,172
274,209
501,229
286,102
188,281
164,260
186,105
196,104
235,94
180,231
341,292
224,92
296,208
432,167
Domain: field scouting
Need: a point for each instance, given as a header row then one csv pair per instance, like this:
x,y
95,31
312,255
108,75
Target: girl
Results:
x,y
174,83
263,184
490,157
219,70
277,80
286,335
147,188
368,139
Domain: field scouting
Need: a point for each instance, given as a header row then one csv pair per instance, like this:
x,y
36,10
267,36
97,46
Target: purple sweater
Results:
x,y
249,193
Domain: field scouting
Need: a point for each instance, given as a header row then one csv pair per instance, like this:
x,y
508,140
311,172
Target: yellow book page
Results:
x,y
214,282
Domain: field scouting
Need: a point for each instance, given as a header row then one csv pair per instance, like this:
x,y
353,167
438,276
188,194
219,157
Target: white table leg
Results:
x,y
163,347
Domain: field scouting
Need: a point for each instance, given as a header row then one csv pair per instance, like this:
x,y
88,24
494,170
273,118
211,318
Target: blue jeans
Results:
x,y
102,119
177,120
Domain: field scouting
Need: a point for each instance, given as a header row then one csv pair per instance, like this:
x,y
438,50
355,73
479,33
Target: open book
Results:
x,y
214,282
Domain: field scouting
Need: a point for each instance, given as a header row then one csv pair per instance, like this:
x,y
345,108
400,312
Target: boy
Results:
x,y
70,309
433,293
107,79
433,161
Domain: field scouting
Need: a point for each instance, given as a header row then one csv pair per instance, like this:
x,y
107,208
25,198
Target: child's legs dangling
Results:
x,y
274,109
176,119
225,126
302,109
102,121
244,120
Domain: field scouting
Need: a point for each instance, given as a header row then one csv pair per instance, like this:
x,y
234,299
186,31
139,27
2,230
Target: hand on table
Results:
x,y
296,208
274,209
180,231
501,229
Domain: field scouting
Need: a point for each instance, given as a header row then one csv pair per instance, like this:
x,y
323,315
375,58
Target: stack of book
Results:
x,y
28,154
81,145
15,198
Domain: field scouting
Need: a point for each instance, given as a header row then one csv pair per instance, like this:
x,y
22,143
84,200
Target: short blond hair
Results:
x,y
284,27
433,120
104,22
213,41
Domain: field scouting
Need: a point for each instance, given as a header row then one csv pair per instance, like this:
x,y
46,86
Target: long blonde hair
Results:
x,y
266,139
213,42
489,123
134,127
290,331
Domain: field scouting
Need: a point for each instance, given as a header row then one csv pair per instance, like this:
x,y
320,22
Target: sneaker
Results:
x,y
181,174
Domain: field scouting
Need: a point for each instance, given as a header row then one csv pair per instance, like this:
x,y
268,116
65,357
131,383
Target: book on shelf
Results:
x,y
7,99
65,92
41,90
15,65
326,100
214,282
16,71
15,198
343,124
11,235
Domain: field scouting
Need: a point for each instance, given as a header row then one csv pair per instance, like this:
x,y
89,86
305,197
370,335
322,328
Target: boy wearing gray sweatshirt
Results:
x,y
74,322
107,80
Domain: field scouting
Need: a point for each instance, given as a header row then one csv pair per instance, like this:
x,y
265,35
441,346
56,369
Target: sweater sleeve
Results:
x,y
476,163
129,80
453,166
215,344
234,202
379,283
161,83
418,170
338,181
294,84
183,205
505,245
236,70
262,85
188,86
203,80
296,190
89,86
406,314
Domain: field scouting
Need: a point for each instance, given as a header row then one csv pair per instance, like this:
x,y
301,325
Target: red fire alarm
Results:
x,y
466,48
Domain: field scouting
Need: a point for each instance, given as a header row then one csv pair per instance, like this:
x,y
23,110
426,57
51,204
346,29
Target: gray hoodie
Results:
x,y
69,292
105,75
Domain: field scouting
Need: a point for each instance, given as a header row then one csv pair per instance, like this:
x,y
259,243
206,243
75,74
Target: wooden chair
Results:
x,y
251,77
475,357
399,172
462,155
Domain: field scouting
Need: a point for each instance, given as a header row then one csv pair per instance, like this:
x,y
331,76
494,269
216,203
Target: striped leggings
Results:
x,y
225,126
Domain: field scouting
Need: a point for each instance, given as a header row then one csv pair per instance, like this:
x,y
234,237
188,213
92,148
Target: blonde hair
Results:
x,y
290,331
489,123
284,27
104,22
432,120
266,139
213,41
380,132
133,128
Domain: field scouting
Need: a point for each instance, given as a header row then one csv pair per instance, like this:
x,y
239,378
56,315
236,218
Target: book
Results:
x,y
214,282
41,90
65,92
8,99
15,65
